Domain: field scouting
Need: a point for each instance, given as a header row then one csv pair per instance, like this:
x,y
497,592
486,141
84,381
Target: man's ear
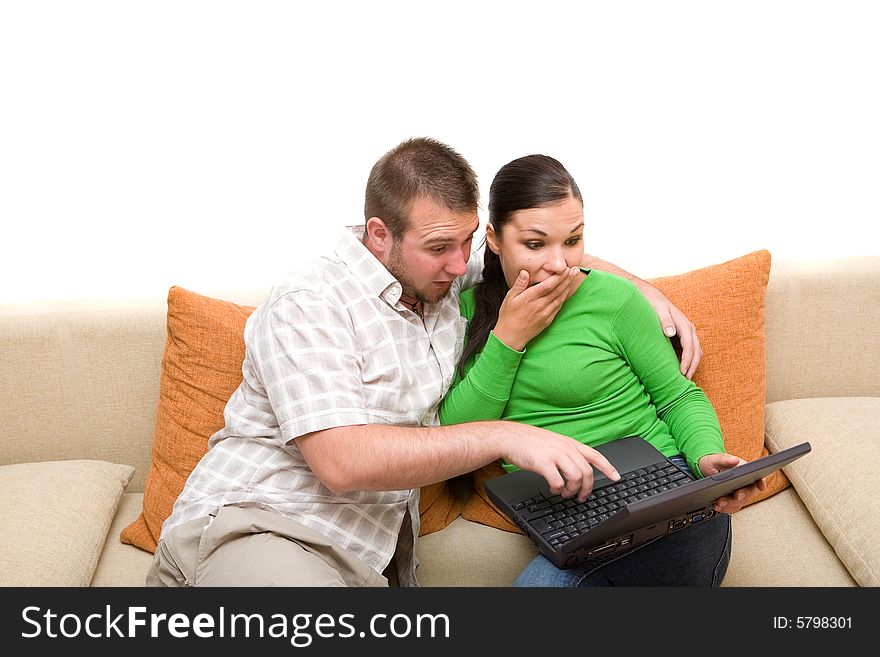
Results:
x,y
378,236
492,239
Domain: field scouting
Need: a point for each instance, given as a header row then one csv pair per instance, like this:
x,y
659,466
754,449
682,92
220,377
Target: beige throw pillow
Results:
x,y
837,481
55,517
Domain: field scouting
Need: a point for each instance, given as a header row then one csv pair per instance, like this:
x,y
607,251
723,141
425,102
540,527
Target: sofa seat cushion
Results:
x,y
838,480
121,564
776,543
55,517
470,554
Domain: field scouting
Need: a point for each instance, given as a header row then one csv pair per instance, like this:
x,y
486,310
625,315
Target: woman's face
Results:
x,y
543,241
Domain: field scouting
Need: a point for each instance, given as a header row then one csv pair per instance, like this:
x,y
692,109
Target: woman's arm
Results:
x,y
679,402
483,393
525,312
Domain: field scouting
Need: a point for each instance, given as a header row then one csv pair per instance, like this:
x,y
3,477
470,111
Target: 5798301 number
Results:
x,y
813,622
823,622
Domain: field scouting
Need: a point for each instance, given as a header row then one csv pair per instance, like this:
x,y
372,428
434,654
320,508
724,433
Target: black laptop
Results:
x,y
653,497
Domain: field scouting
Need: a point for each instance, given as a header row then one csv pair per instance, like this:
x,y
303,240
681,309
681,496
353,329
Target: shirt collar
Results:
x,y
365,266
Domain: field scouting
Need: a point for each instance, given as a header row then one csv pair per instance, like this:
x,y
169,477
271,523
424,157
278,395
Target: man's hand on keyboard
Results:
x,y
713,464
563,462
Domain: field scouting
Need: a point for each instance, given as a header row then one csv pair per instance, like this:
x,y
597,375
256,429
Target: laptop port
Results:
x,y
599,551
697,518
677,524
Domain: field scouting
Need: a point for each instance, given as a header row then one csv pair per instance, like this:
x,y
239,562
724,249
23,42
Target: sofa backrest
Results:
x,y
823,329
81,380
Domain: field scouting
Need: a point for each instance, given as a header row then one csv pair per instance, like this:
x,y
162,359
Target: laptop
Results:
x,y
653,498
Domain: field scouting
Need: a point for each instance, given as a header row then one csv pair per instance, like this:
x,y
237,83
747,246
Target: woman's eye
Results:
x,y
533,245
573,241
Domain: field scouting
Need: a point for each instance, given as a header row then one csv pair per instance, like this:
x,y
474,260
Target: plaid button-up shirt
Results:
x,y
331,346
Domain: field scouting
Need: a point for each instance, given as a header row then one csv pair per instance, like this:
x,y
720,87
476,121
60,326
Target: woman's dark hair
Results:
x,y
528,182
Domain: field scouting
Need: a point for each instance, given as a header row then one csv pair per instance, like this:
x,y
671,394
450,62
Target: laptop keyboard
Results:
x,y
559,520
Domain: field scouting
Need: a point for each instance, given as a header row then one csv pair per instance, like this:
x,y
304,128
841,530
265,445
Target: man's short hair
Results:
x,y
419,167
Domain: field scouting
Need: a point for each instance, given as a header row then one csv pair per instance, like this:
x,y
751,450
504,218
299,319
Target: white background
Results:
x,y
214,145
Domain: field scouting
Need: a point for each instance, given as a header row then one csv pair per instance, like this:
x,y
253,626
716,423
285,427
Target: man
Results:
x,y
314,479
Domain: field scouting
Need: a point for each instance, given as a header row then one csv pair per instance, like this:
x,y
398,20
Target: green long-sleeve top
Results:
x,y
602,370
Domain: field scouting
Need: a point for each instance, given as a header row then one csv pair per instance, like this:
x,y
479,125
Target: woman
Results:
x,y
601,370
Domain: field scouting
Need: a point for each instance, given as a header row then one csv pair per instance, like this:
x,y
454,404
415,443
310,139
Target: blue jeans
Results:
x,y
696,556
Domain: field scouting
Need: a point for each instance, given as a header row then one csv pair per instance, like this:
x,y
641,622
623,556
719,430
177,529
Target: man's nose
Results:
x,y
457,263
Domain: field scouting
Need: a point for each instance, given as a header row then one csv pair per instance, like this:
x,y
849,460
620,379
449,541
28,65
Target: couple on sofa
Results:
x,y
353,361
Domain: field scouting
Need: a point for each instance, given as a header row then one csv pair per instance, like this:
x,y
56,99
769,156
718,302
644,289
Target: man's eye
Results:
x,y
438,249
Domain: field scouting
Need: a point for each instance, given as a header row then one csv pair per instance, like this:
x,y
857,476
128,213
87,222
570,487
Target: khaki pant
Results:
x,y
249,546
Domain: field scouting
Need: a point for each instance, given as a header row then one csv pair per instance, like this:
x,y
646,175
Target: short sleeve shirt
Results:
x,y
330,346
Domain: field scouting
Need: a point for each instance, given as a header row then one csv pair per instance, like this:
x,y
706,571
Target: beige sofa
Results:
x,y
79,387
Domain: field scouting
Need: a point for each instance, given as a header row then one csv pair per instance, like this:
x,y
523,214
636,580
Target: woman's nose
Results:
x,y
555,262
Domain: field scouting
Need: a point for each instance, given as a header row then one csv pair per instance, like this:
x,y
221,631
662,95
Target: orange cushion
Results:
x,y
479,508
201,368
437,507
726,304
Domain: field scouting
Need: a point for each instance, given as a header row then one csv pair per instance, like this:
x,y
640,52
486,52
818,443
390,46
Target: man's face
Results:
x,y
433,251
